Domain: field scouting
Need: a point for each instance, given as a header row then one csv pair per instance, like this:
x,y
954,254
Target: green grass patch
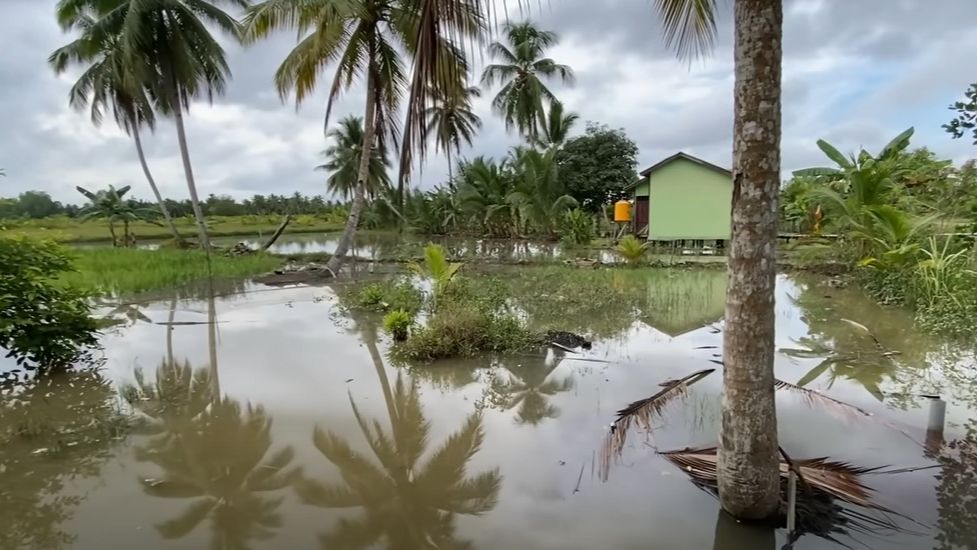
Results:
x,y
65,229
129,270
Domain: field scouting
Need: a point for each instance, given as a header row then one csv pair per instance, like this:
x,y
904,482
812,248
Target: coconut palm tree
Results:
x,y
748,464
218,458
529,388
484,189
366,38
168,48
343,161
406,502
555,126
539,194
521,72
451,121
105,85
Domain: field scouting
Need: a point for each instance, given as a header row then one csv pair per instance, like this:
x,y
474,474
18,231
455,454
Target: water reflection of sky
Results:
x,y
293,353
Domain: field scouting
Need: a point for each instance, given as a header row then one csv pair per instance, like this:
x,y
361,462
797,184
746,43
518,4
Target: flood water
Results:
x,y
318,440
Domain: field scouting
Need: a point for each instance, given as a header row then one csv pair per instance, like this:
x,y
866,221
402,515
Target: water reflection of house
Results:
x,y
686,301
683,198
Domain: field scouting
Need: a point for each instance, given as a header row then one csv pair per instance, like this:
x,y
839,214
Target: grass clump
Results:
x,y
397,323
464,332
129,270
387,296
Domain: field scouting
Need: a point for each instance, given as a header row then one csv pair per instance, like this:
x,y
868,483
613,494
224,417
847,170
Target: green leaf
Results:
x,y
816,372
817,172
897,144
834,154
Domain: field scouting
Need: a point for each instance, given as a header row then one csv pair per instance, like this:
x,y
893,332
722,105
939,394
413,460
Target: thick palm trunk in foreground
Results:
x,y
152,183
359,194
181,135
749,481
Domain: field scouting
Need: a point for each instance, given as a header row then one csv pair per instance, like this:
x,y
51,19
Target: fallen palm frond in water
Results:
x,y
817,399
821,483
642,412
838,479
840,409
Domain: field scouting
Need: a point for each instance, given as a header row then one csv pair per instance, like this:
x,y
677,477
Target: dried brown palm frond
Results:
x,y
840,480
822,484
642,412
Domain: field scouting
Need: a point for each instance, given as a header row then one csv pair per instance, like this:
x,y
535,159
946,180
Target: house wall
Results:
x,y
642,189
688,201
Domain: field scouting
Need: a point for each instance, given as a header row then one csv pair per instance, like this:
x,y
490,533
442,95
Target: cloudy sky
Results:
x,y
855,72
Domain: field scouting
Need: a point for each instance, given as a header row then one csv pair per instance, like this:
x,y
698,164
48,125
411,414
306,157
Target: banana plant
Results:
x,y
111,205
852,191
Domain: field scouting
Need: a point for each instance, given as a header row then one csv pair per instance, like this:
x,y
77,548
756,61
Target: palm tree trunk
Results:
x,y
181,135
115,240
388,396
152,183
125,233
215,383
169,331
749,479
359,193
451,175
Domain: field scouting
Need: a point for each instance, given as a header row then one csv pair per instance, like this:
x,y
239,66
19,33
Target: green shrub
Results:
x,y
576,227
464,332
632,249
398,324
41,321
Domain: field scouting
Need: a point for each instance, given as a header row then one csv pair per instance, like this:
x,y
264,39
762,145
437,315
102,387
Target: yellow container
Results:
x,y
622,211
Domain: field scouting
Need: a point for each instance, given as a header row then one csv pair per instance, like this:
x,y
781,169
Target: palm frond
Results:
x,y
837,479
689,25
816,399
642,413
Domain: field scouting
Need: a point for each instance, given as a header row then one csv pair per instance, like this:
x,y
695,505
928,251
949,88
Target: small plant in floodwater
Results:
x,y
390,296
631,249
372,295
398,324
437,268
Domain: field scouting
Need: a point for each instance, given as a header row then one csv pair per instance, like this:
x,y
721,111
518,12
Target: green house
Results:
x,y
683,198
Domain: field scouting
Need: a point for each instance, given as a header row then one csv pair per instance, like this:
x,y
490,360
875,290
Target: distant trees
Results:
x,y
596,166
39,204
966,120
30,204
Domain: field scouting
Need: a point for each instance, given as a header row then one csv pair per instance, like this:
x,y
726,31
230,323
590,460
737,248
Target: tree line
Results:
x,y
39,204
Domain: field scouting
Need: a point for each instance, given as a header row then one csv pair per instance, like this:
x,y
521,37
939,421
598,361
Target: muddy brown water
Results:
x,y
319,441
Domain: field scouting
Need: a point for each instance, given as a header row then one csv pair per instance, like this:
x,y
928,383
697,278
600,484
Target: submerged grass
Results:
x,y
128,270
